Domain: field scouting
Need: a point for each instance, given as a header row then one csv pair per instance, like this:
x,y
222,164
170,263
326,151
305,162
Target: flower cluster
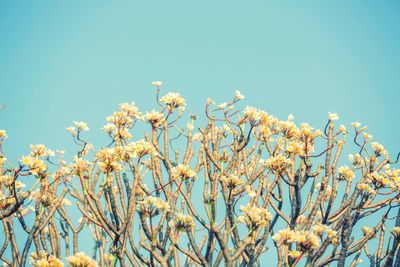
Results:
x,y
108,160
254,216
36,166
182,171
155,118
378,149
278,163
173,101
332,236
346,173
140,148
121,121
3,135
44,260
252,114
305,240
366,188
78,127
182,222
150,206
232,181
80,259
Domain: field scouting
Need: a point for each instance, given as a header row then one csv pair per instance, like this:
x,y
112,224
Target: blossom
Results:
x,y
71,130
3,134
41,151
44,260
130,109
342,129
378,148
284,236
156,83
210,101
182,222
346,173
238,95
333,116
356,124
36,166
366,188
140,148
294,254
254,216
108,160
81,126
223,105
80,165
320,229
278,163
367,231
232,181
182,171
80,259
252,113
173,101
250,191
155,118
152,205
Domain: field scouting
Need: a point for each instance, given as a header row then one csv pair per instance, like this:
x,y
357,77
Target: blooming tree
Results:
x,y
237,188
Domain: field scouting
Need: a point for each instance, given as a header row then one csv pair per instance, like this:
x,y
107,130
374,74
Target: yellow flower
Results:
x,y
333,116
81,126
108,160
238,95
140,148
173,101
155,118
80,259
3,134
254,216
232,181
182,222
294,254
36,166
156,83
182,171
346,173
152,205
43,260
252,113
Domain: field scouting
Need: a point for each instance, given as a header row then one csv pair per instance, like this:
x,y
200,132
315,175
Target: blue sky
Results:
x,y
77,60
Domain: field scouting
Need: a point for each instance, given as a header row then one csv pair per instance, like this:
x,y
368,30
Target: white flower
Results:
x,y
290,117
252,113
210,101
174,100
238,95
3,134
71,130
333,116
356,124
222,105
156,83
81,126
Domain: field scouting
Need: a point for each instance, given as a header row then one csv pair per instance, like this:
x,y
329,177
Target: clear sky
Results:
x,y
77,60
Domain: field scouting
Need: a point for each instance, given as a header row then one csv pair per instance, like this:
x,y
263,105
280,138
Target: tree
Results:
x,y
224,193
